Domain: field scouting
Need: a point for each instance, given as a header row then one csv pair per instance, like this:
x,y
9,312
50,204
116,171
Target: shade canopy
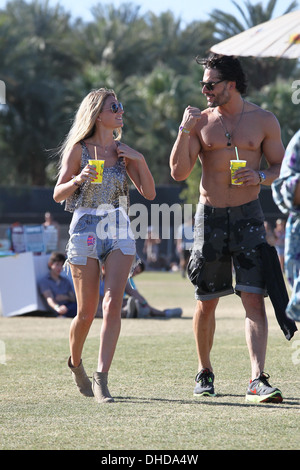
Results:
x,y
279,38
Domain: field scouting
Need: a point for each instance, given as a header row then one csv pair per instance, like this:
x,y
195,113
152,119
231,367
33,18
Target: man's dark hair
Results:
x,y
229,68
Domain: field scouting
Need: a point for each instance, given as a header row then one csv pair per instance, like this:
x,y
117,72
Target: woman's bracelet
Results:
x,y
74,181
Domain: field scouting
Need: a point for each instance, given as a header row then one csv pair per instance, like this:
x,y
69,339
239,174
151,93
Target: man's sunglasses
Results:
x,y
115,107
210,85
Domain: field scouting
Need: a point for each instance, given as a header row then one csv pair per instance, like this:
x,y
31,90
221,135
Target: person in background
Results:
x,y
51,233
49,221
184,244
134,303
136,306
57,290
286,194
279,233
151,249
270,237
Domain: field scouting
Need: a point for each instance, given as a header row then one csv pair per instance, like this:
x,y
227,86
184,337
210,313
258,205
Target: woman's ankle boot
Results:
x,y
100,388
81,379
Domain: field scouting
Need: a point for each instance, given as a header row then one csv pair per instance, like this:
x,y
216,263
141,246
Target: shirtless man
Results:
x,y
229,223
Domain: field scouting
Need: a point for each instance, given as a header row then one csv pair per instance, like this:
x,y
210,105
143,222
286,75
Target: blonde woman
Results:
x,y
99,231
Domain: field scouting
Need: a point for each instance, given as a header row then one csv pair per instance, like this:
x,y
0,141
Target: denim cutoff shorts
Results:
x,y
227,238
96,236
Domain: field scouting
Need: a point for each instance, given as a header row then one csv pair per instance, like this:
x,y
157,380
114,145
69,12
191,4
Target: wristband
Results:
x,y
74,181
262,177
182,129
56,307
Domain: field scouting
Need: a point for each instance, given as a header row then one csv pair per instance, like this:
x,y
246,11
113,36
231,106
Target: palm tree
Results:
x,y
154,104
119,37
228,25
38,60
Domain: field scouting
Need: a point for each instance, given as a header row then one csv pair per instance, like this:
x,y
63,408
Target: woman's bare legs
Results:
x,y
117,267
86,284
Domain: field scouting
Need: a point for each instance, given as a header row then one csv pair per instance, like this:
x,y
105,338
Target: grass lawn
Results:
x,y
151,379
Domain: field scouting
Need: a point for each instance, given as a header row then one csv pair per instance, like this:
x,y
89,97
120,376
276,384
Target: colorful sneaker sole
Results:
x,y
275,397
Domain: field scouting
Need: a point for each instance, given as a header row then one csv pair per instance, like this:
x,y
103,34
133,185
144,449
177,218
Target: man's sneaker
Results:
x,y
204,384
260,391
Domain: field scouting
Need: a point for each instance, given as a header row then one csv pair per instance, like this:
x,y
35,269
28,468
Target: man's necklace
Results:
x,y
229,135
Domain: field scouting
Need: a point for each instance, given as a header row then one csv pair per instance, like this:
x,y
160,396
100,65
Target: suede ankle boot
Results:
x,y
81,379
100,388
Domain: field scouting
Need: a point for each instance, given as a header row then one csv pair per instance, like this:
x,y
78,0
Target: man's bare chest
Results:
x,y
217,133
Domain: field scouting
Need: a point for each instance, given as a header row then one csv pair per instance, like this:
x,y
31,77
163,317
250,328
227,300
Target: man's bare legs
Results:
x,y
256,329
204,330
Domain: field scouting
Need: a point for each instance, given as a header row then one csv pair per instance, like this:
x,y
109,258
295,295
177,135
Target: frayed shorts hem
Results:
x,y
238,289
82,260
213,295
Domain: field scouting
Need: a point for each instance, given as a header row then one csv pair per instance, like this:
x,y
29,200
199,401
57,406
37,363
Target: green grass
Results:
x,y
151,379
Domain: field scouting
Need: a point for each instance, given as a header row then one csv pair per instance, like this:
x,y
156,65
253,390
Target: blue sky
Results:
x,y
187,10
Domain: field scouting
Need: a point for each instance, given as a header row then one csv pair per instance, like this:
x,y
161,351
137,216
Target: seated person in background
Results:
x,y
57,289
136,306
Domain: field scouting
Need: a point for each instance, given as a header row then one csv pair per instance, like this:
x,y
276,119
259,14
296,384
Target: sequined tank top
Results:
x,y
112,191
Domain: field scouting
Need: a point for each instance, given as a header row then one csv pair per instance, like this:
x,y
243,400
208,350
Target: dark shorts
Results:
x,y
227,238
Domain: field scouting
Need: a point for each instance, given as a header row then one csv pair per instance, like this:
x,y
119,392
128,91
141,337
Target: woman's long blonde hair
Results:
x,y
84,122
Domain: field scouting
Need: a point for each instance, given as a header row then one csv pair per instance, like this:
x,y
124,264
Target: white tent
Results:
x,y
279,38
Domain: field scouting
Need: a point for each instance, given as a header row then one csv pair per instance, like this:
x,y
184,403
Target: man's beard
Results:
x,y
219,100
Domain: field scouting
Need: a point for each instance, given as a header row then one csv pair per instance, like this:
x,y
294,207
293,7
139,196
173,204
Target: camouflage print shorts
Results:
x,y
226,238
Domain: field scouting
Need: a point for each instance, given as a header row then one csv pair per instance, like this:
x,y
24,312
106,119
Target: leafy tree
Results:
x,y
50,62
119,38
36,54
154,108
277,97
228,25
